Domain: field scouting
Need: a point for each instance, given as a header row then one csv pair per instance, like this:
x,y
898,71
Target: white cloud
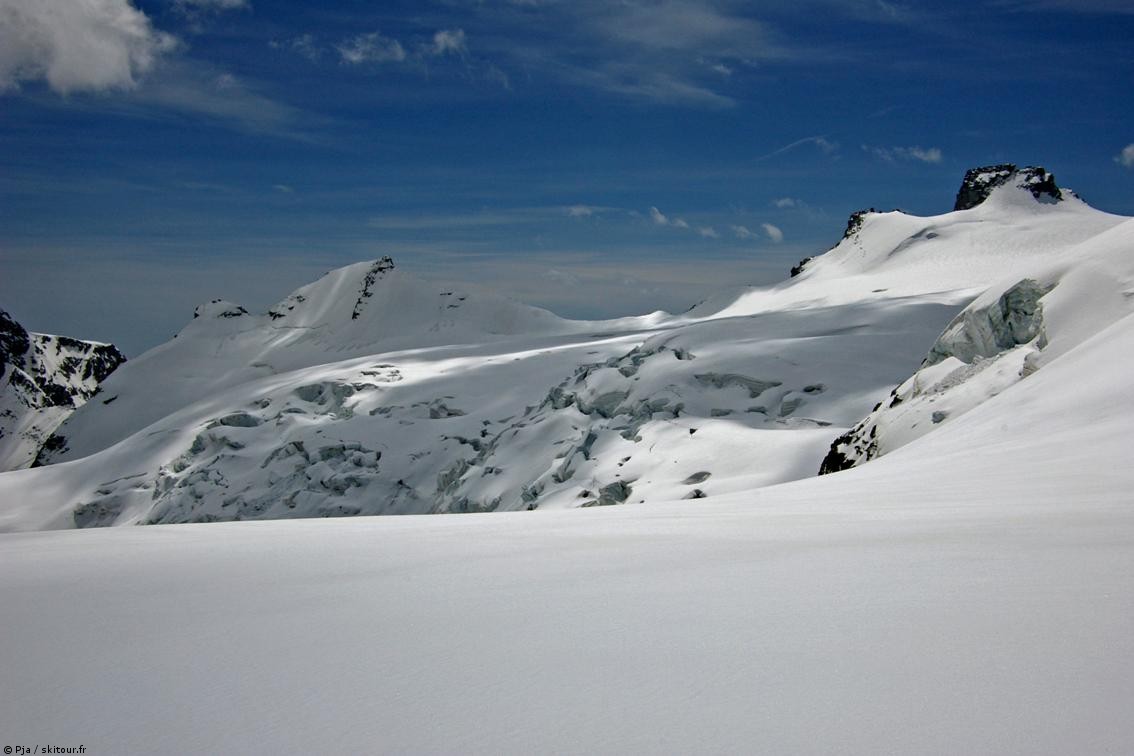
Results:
x,y
708,232
580,211
93,45
661,219
931,155
826,146
562,277
304,45
674,52
202,91
784,203
226,81
371,48
743,232
893,154
774,233
1126,157
449,41
283,188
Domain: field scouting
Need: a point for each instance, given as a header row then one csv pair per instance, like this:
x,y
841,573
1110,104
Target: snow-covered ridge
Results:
x,y
354,311
1007,334
43,378
368,392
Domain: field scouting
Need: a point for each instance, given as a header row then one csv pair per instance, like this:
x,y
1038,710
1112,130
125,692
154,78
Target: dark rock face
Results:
x,y
979,183
44,379
799,266
377,271
14,342
854,222
852,448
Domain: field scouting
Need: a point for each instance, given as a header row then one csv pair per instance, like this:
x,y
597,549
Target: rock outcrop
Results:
x,y
979,183
43,379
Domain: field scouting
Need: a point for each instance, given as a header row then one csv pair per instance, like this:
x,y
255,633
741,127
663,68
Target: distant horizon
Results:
x,y
590,158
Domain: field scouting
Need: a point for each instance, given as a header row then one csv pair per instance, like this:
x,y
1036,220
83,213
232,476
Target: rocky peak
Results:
x,y
377,272
979,183
45,378
14,342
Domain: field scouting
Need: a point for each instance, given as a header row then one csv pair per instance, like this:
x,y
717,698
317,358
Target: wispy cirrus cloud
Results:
x,y
304,45
372,47
822,143
674,52
894,154
773,232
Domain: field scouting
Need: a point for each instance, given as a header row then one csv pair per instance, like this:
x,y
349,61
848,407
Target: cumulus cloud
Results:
x,y
894,154
660,219
784,203
708,232
94,45
774,233
371,48
743,232
1126,157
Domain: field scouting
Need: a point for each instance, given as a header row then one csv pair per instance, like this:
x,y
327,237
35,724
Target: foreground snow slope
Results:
x,y
972,592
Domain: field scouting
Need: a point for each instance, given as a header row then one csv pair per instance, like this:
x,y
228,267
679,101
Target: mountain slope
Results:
x,y
971,592
311,411
43,379
354,311
1007,334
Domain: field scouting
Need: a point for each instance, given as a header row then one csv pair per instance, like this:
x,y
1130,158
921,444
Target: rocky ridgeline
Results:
x,y
43,378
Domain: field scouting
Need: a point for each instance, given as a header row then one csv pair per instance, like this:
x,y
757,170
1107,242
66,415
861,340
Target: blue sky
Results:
x,y
598,158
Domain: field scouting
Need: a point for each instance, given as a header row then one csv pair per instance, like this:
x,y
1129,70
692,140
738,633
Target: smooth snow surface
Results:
x,y
970,590
972,593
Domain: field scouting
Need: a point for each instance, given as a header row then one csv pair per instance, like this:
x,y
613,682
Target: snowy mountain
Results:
x,y
369,392
968,590
43,379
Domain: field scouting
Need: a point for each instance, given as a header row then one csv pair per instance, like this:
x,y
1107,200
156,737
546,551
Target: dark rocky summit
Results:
x,y
979,183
